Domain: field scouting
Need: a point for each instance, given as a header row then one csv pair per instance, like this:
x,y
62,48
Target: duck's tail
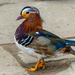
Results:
x,y
70,42
68,50
71,50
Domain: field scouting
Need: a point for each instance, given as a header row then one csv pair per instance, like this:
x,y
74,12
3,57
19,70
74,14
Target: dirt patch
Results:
x,y
52,66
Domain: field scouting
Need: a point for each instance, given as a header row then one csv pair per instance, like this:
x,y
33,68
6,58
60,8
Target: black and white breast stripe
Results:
x,y
26,40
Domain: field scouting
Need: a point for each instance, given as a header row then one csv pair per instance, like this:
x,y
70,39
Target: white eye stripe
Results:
x,y
25,10
29,10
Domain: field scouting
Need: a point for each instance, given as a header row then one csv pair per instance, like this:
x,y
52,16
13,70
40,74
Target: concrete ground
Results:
x,y
59,18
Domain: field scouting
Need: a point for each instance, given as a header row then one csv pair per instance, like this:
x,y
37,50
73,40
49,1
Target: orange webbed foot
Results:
x,y
42,65
31,69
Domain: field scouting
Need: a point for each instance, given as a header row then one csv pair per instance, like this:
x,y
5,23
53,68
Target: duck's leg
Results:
x,y
42,65
36,67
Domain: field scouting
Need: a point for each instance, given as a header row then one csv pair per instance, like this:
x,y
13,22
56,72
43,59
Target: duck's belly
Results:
x,y
29,51
32,52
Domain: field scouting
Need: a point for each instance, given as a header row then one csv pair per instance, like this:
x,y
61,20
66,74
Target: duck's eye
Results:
x,y
27,12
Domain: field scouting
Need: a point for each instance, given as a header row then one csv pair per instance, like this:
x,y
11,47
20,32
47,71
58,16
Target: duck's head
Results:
x,y
27,11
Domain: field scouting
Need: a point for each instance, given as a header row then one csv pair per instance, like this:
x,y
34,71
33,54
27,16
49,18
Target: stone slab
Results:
x,y
69,71
9,65
7,59
13,70
13,1
59,18
53,65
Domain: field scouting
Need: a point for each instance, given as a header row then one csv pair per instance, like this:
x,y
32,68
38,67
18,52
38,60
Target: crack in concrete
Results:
x,y
5,4
4,34
6,44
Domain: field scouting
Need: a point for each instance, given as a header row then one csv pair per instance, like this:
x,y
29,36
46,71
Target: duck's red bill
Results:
x,y
20,17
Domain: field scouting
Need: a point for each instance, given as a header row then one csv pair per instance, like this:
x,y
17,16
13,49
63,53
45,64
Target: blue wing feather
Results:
x,y
59,45
46,33
60,42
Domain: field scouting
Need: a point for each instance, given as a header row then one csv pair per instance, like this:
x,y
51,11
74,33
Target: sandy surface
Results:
x,y
59,18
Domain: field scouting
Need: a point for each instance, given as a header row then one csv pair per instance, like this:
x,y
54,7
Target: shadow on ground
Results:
x,y
52,66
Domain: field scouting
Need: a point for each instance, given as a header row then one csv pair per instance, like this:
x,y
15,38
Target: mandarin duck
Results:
x,y
37,42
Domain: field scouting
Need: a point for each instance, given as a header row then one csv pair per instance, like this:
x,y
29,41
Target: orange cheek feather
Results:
x,y
25,15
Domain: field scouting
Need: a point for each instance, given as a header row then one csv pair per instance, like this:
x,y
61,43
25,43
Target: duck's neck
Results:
x,y
32,24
